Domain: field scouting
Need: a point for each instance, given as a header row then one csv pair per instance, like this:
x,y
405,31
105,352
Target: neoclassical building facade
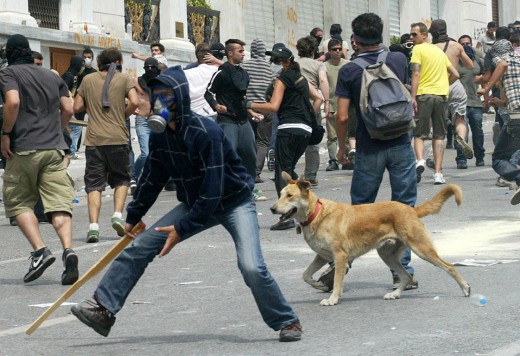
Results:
x,y
61,28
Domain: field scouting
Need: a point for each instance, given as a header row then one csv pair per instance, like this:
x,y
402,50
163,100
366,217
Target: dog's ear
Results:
x,y
287,177
303,184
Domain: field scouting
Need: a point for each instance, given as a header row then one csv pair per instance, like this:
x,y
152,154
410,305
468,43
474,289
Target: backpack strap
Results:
x,y
382,57
363,63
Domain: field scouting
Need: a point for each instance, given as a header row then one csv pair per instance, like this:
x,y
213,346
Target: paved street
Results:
x,y
194,301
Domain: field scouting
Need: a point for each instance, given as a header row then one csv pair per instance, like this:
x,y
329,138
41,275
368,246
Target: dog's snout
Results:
x,y
273,209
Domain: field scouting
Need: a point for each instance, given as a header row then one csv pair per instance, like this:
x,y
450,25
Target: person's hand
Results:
x,y
172,239
481,91
342,156
128,231
212,60
414,105
495,101
6,146
134,55
326,108
221,109
256,117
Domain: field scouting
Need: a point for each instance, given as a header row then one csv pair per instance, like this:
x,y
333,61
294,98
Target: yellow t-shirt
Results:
x,y
434,69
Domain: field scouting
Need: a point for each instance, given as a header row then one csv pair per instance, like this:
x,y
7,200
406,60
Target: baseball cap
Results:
x,y
275,47
283,53
218,50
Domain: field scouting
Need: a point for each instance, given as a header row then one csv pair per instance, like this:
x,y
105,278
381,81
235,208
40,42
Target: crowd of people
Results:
x,y
207,131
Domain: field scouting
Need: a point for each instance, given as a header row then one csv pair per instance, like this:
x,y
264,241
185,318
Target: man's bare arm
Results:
x,y
416,75
66,110
499,71
133,102
11,107
79,104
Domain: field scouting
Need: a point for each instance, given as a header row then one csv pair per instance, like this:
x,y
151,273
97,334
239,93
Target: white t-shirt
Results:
x,y
198,80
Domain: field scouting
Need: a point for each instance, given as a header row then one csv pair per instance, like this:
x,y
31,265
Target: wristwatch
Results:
x,y
5,133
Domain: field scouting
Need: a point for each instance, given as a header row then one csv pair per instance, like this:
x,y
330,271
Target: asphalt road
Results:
x,y
194,302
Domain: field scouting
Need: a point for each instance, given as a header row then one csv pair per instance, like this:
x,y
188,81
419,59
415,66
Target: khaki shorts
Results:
x,y
431,113
33,174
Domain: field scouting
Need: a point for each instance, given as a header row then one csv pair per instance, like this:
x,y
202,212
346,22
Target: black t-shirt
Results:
x,y
294,113
38,126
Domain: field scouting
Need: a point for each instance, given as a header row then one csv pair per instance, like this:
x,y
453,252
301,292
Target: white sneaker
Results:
x,y
438,179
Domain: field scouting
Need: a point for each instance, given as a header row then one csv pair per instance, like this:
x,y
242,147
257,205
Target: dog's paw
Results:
x,y
396,294
330,301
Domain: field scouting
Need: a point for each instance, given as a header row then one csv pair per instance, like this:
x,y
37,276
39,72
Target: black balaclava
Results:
x,y
18,51
76,63
439,31
151,70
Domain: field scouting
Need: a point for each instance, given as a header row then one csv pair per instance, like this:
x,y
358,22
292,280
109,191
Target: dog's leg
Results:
x,y
340,260
314,267
422,245
391,253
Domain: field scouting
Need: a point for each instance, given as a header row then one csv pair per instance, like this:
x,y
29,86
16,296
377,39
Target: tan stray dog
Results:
x,y
343,232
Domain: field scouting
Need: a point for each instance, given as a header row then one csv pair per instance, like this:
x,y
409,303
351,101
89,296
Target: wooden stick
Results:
x,y
95,269
78,122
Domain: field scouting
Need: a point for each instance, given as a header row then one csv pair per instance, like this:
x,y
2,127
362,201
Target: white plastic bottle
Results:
x,y
478,299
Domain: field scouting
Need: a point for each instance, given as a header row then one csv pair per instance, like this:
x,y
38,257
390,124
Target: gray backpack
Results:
x,y
385,103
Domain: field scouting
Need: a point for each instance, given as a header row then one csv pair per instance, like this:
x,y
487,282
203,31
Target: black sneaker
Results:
x,y
133,186
327,277
414,283
95,316
462,164
39,263
283,225
270,160
170,186
479,162
70,262
333,166
292,332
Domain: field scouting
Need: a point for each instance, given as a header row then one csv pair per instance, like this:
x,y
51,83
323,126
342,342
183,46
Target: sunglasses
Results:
x,y
336,49
413,34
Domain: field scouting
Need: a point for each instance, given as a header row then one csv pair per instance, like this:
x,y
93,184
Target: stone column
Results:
x,y
174,25
16,12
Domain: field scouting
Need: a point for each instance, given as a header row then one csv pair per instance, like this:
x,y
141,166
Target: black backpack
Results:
x,y
385,103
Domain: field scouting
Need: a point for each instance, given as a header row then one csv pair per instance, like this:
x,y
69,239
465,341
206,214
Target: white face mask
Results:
x,y
88,62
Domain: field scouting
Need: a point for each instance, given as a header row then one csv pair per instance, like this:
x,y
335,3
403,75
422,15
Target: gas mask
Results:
x,y
161,113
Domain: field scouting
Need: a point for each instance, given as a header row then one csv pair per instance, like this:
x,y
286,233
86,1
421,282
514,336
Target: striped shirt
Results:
x,y
511,81
260,77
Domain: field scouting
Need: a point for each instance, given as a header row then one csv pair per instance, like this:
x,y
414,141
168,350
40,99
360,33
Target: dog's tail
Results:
x,y
434,205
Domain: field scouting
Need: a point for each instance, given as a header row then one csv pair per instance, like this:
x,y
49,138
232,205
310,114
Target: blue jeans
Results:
x,y
74,136
507,144
274,131
368,174
143,137
242,224
131,155
474,120
242,139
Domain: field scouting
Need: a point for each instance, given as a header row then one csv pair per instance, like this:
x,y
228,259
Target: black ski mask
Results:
x,y
151,70
17,50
